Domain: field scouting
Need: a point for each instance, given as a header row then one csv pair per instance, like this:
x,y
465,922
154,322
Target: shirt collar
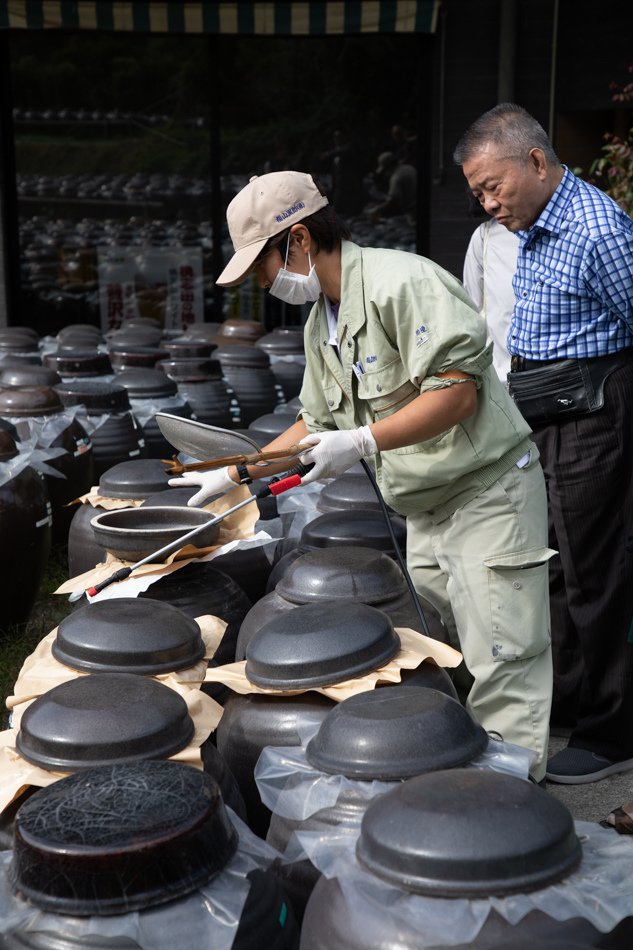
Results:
x,y
554,213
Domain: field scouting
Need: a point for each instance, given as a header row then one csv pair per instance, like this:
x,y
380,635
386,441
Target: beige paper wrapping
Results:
x,y
41,671
414,649
94,498
237,527
16,774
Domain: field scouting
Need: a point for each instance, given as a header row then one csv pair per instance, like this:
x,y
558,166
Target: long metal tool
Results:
x,y
275,487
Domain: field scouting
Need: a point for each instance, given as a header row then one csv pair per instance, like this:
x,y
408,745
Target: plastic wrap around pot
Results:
x,y
318,645
94,720
122,837
395,733
468,833
128,635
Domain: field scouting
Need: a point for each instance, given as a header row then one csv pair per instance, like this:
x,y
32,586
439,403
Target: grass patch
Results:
x,y
19,640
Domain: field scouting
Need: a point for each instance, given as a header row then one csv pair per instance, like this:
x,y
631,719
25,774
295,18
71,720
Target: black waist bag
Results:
x,y
563,390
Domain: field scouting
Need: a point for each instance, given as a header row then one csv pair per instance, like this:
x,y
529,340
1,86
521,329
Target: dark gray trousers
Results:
x,y
588,466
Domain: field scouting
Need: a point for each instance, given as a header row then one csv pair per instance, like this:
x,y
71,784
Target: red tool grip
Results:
x,y
92,591
277,488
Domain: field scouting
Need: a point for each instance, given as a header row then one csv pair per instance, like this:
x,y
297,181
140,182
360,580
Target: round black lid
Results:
x,y
128,635
342,574
78,362
363,526
136,478
119,838
101,719
27,375
282,341
348,491
95,395
468,833
238,355
143,383
23,401
320,644
394,733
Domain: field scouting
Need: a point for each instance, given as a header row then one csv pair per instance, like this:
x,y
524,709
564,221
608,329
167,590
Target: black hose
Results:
x,y
401,561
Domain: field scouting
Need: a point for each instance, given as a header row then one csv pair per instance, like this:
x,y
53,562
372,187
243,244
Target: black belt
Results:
x,y
520,363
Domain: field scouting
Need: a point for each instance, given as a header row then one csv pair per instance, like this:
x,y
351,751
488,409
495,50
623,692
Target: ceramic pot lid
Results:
x,y
30,401
128,635
468,833
394,733
202,441
172,496
191,369
237,355
320,644
79,362
143,383
136,478
348,491
134,533
97,397
341,573
267,427
105,718
360,526
119,838
282,341
26,375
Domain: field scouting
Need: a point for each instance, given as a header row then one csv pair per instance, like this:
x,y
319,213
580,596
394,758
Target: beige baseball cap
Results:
x,y
266,206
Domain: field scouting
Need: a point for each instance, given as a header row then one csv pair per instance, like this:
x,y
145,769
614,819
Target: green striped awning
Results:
x,y
257,19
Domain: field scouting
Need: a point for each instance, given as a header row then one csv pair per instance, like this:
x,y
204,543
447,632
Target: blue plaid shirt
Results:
x,y
574,278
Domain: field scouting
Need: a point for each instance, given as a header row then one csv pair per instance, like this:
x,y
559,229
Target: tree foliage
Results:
x,y
613,171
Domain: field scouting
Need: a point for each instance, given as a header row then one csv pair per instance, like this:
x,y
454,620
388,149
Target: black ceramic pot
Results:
x,y
78,363
105,413
364,527
34,410
247,370
26,532
201,383
287,358
335,576
249,723
150,391
135,479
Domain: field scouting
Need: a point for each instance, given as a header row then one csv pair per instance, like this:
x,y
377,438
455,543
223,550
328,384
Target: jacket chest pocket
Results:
x,y
387,389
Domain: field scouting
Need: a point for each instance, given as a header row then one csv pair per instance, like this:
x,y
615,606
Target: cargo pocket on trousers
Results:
x,y
518,587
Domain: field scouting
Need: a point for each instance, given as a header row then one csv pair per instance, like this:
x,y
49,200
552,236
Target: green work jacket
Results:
x,y
402,320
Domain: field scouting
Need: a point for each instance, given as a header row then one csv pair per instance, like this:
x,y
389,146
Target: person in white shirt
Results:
x,y
489,267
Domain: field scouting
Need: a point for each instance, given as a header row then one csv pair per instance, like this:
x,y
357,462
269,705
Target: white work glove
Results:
x,y
335,452
211,483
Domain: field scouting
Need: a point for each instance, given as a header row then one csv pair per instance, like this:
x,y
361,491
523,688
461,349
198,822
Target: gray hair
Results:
x,y
511,129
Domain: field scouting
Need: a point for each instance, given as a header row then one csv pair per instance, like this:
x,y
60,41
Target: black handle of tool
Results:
x,y
119,575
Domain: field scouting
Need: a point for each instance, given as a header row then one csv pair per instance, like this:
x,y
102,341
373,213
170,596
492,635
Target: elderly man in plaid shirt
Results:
x,y
571,342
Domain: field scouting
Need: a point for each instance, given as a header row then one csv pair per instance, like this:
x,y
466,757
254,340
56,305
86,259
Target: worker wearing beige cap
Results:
x,y
398,371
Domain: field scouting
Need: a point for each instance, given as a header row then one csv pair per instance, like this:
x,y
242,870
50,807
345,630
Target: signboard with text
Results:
x,y
164,283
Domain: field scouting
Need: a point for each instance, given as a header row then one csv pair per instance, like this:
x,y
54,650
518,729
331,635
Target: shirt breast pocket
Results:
x,y
387,389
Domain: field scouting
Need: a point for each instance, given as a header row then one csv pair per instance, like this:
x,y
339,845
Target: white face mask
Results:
x,y
296,288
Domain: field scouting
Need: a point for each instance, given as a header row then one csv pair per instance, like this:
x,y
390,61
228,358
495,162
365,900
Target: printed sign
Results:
x,y
164,283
